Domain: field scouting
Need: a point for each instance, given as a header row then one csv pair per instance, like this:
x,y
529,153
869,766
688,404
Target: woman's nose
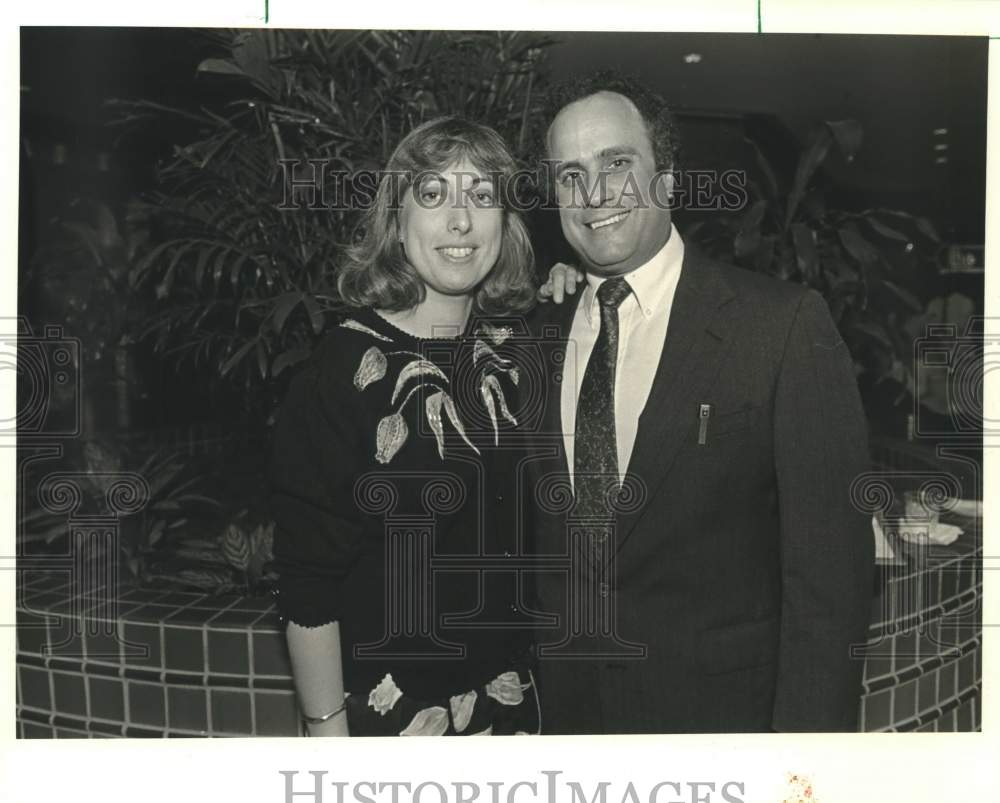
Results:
x,y
459,220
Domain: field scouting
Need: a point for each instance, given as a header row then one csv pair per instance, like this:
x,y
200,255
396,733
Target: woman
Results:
x,y
393,451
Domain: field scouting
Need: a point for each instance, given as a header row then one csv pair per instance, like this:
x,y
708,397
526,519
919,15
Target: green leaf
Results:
x,y
241,352
856,245
289,358
806,257
908,298
810,160
221,67
748,239
887,231
283,307
316,317
848,135
926,228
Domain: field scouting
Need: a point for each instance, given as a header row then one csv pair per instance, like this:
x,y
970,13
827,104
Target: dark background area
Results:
x,y
920,100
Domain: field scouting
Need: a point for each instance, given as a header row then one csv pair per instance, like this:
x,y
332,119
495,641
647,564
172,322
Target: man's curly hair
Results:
x,y
652,107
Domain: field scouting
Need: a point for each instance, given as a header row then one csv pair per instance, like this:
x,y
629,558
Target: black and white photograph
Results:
x,y
498,382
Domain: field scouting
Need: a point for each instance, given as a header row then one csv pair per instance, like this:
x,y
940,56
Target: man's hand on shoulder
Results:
x,y
562,281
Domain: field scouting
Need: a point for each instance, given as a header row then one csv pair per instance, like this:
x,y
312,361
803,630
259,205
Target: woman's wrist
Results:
x,y
334,726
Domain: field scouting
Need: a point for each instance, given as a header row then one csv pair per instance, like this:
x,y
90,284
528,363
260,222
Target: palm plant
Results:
x,y
860,261
243,286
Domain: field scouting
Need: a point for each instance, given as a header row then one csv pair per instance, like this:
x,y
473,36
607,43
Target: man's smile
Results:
x,y
611,220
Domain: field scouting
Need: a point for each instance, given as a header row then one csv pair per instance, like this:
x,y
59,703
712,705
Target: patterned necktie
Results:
x,y
595,447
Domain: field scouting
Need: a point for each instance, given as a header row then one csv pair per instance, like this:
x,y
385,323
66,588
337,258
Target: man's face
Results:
x,y
613,207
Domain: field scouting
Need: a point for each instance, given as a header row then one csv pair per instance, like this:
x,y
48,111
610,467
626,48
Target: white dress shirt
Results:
x,y
642,328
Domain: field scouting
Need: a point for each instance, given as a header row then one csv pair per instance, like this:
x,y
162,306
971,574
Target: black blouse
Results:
x,y
396,497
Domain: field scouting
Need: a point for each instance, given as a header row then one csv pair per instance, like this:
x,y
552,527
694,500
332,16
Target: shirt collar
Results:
x,y
652,282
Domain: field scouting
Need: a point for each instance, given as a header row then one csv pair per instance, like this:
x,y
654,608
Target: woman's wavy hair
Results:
x,y
376,273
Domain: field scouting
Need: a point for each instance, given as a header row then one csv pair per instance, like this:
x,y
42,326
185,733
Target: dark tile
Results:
x,y
268,622
102,670
258,604
946,724
145,703
977,712
279,684
107,699
191,616
105,728
142,595
229,681
139,639
877,710
188,708
65,639
876,667
930,727
38,717
66,733
40,604
905,702
967,672
180,599
217,602
927,692
963,717
20,729
32,635
270,654
905,650
184,678
101,641
276,714
947,681
69,691
152,614
235,620
228,652
142,733
184,649
148,675
34,687
32,731
231,712
949,583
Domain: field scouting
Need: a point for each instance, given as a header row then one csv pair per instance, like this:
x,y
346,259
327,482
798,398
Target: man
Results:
x,y
721,585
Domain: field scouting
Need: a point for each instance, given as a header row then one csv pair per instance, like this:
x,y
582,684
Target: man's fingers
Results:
x,y
545,293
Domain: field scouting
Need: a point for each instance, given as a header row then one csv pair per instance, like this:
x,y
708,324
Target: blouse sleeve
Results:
x,y
317,528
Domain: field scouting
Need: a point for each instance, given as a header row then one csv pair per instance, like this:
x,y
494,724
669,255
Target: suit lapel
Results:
x,y
696,339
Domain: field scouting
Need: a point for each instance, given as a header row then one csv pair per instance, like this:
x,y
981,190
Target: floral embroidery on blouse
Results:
x,y
419,372
506,689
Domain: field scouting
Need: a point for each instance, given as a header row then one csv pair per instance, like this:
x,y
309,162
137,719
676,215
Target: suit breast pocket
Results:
x,y
729,421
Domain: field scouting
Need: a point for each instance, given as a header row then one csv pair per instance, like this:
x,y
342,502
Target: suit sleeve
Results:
x,y
827,547
317,527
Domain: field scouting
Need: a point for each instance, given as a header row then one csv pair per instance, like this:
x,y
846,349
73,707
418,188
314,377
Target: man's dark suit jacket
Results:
x,y
746,574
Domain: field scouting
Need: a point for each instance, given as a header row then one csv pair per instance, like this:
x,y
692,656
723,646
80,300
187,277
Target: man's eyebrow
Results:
x,y
617,150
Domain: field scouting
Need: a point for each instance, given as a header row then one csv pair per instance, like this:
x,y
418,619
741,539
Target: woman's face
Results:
x,y
451,228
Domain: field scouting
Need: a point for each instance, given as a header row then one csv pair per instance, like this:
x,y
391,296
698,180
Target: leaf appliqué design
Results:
x,y
350,323
413,369
371,369
390,437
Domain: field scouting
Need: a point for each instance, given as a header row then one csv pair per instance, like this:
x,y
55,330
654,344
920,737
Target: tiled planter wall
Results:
x,y
924,668
182,665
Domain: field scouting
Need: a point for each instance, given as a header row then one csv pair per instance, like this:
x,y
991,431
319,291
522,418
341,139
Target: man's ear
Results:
x,y
663,189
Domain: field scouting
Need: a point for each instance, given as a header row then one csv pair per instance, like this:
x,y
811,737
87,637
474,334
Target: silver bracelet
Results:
x,y
320,720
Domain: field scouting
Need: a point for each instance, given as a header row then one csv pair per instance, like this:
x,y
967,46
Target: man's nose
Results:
x,y
459,220
598,193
